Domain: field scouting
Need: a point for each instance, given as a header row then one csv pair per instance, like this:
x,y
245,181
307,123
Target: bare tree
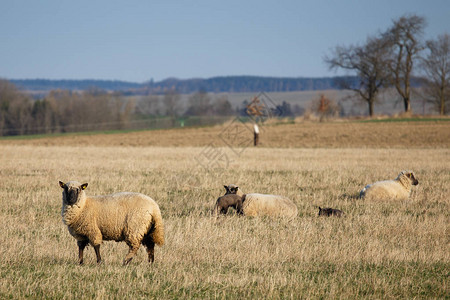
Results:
x,y
436,66
66,112
368,61
7,92
404,39
148,106
43,113
15,110
171,104
199,104
222,106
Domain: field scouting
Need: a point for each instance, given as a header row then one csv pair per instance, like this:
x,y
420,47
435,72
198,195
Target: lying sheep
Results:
x,y
131,217
328,211
397,189
263,204
226,201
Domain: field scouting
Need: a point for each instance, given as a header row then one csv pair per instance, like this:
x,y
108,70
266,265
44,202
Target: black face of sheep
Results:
x,y
413,179
231,189
70,194
328,211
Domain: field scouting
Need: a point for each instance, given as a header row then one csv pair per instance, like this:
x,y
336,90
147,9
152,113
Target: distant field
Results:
x,y
285,134
378,250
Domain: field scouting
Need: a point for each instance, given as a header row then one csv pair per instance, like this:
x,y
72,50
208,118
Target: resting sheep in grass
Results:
x,y
131,217
397,189
263,204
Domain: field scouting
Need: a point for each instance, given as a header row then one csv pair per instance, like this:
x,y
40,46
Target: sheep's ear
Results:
x,y
225,187
320,208
62,184
84,186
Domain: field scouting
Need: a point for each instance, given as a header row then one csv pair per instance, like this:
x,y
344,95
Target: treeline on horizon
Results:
x,y
94,109
225,84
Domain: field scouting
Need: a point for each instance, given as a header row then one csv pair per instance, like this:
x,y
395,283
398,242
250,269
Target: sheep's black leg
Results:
x,y
150,245
97,253
81,246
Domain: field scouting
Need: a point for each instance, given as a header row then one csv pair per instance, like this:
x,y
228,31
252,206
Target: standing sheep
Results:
x,y
397,189
131,217
228,200
263,204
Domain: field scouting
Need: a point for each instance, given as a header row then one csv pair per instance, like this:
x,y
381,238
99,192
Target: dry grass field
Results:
x,y
379,249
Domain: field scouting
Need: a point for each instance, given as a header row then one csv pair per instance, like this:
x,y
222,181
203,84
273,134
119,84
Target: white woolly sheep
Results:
x,y
263,204
397,189
131,217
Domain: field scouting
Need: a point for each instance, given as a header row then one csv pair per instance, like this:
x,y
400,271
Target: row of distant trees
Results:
x,y
60,111
389,58
170,104
201,103
94,109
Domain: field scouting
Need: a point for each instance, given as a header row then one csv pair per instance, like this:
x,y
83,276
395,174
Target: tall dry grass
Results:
x,y
378,250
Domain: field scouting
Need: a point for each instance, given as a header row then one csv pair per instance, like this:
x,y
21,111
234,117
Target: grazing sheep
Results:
x,y
328,211
226,201
263,204
397,189
131,217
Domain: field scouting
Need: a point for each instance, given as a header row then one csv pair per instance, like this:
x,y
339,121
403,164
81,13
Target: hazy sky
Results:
x,y
139,40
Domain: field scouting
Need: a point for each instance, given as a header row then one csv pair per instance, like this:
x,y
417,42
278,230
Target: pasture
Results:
x,y
379,249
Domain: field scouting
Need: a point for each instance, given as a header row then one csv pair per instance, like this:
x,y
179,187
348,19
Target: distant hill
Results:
x,y
48,85
226,84
244,84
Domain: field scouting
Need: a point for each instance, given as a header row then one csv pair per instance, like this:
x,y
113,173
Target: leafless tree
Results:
x,y
436,66
222,107
43,115
404,39
368,61
199,104
171,103
148,106
15,110
7,91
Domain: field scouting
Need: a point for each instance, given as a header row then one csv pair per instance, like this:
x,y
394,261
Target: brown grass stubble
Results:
x,y
342,134
379,249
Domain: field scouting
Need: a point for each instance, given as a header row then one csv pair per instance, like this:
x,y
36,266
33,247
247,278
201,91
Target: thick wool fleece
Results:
x,y
264,205
119,217
397,189
268,205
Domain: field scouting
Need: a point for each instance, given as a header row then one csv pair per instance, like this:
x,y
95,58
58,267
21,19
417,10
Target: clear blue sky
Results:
x,y
139,40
